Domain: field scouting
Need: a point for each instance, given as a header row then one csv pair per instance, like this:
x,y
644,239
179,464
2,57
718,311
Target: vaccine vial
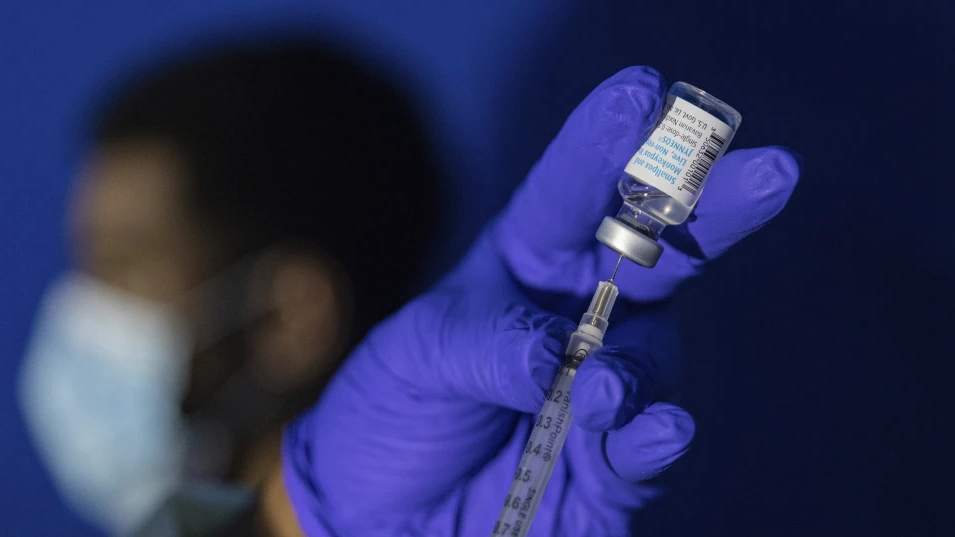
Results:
x,y
662,182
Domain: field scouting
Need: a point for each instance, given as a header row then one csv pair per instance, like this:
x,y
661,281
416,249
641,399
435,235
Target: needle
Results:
x,y
615,269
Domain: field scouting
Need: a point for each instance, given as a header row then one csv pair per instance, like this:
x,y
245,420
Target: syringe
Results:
x,y
650,204
553,423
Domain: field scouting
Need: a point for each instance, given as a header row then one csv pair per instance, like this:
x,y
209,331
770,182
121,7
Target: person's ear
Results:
x,y
305,330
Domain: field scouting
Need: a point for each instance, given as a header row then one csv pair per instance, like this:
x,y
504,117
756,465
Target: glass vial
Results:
x,y
663,181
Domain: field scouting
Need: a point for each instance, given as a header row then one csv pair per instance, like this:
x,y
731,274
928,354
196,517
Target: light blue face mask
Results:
x,y
100,389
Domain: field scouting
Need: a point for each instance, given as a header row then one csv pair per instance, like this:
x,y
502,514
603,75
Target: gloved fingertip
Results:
x,y
546,338
745,178
774,171
644,87
798,160
636,74
601,135
672,424
597,396
652,442
610,389
748,187
554,211
623,111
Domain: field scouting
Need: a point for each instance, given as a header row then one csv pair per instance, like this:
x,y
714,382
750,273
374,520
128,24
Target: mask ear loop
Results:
x,y
222,303
224,307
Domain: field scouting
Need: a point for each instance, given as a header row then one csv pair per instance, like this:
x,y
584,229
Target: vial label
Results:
x,y
678,156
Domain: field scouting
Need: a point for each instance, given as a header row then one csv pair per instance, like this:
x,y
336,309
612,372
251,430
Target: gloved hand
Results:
x,y
421,430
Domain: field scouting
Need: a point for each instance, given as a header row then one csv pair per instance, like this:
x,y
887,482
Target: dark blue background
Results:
x,y
821,353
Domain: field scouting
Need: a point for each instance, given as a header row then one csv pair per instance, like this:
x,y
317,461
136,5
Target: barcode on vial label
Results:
x,y
704,161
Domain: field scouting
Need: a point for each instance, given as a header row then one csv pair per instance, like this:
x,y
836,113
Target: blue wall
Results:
x,y
821,348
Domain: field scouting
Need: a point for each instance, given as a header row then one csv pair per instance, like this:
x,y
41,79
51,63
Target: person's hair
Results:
x,y
294,143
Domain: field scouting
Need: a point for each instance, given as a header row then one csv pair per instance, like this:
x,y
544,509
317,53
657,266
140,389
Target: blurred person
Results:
x,y
240,219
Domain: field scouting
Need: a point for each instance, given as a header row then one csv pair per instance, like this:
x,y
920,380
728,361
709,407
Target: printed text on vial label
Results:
x,y
679,153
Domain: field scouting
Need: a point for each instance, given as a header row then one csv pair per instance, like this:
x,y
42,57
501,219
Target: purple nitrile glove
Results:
x,y
421,430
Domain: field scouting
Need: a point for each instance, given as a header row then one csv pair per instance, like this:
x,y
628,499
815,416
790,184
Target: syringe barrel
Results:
x,y
553,423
